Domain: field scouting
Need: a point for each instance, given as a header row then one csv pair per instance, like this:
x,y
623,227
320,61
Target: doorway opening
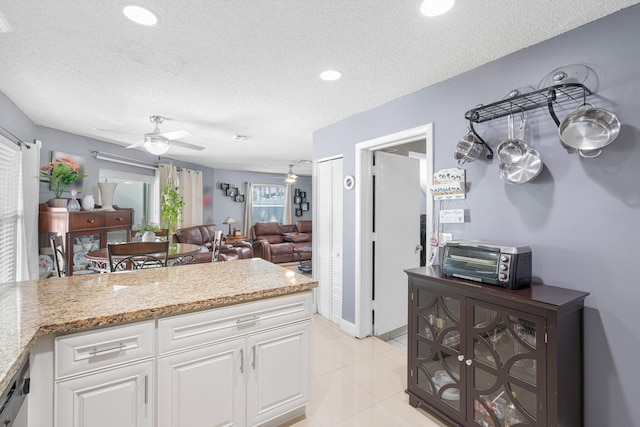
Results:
x,y
364,274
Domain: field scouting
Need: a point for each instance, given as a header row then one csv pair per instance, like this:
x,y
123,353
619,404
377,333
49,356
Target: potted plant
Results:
x,y
171,203
60,173
147,230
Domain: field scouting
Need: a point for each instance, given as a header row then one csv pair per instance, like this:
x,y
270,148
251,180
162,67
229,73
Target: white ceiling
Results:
x,y
222,67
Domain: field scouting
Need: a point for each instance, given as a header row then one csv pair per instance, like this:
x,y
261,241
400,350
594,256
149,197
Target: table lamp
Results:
x,y
229,221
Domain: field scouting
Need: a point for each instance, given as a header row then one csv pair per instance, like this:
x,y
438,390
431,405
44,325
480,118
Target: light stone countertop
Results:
x,y
34,308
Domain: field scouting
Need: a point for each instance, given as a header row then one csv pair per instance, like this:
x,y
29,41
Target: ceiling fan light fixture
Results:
x,y
436,7
140,15
156,144
291,177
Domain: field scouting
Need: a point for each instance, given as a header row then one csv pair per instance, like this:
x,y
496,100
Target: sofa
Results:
x,y
204,236
275,243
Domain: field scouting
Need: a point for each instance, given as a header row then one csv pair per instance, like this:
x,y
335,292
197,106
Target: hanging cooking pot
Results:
x,y
512,149
589,129
524,170
468,149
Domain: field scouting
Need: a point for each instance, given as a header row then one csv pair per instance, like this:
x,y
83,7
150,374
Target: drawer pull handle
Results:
x,y
242,361
118,218
95,351
146,389
251,319
91,221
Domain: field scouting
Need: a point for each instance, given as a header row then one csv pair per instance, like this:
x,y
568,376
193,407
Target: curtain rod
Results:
x,y
15,139
123,160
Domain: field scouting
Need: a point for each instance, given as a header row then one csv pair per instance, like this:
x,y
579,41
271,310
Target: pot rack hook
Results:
x,y
490,151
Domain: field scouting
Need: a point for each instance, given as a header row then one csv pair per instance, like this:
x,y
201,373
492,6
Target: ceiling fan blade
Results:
x,y
135,144
177,134
186,145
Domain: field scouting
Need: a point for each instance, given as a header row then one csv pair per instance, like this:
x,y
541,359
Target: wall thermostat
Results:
x,y
349,182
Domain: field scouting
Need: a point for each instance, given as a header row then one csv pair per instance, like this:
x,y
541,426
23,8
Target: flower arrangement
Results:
x,y
61,173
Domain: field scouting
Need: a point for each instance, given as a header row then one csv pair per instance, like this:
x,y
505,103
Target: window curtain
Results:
x,y
191,191
287,216
248,211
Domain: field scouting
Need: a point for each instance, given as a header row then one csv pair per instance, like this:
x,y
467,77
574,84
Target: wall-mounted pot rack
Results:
x,y
541,98
528,101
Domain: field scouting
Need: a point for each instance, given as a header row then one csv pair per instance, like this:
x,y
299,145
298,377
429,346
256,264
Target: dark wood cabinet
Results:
x,y
82,231
482,355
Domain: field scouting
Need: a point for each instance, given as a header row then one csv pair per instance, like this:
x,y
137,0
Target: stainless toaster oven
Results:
x,y
506,266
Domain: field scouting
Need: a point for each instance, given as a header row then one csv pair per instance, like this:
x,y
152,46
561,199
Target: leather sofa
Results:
x,y
204,236
275,243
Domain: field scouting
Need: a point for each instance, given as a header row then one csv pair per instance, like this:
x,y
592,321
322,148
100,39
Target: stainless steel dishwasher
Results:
x,y
13,398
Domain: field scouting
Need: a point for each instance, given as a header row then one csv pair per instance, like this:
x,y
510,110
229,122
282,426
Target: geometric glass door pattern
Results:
x,y
508,359
439,323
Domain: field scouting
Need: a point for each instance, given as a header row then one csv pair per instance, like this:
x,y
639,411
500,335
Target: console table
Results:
x,y
94,226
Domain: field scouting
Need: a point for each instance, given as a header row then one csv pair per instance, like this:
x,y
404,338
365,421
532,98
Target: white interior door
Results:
x,y
396,238
327,238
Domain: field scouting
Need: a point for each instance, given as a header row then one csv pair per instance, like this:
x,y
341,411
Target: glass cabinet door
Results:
x,y
507,360
438,346
81,245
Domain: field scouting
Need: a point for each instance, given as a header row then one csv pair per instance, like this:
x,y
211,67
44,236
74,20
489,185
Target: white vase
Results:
x,y
149,236
88,203
106,195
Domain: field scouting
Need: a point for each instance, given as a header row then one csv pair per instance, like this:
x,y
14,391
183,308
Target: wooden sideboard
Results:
x,y
95,227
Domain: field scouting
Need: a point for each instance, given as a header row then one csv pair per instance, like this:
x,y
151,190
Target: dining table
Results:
x,y
179,254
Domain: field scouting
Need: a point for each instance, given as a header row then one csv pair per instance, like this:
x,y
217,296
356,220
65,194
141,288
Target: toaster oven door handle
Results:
x,y
483,247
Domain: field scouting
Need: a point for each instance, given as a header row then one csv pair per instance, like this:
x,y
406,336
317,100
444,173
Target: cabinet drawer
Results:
x,y
82,221
117,219
97,349
194,329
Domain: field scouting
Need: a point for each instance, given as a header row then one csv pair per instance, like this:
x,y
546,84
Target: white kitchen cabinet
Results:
x,y
278,372
242,365
203,386
119,396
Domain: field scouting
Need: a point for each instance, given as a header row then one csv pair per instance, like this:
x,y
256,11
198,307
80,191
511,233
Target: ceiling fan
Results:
x,y
158,143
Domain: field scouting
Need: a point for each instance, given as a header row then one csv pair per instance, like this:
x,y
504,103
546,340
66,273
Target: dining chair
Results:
x,y
217,241
59,255
137,255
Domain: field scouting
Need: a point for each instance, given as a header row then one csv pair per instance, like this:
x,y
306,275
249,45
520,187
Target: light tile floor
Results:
x,y
358,383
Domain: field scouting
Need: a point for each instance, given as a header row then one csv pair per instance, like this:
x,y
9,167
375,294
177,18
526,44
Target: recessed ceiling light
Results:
x,y
330,75
436,7
140,15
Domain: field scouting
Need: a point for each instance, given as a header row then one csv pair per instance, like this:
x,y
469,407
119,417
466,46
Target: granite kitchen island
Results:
x,y
248,296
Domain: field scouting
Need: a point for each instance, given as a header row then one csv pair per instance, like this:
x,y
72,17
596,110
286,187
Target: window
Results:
x,y
268,203
10,172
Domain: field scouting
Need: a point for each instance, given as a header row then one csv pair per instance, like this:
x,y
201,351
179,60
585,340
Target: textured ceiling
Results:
x,y
222,67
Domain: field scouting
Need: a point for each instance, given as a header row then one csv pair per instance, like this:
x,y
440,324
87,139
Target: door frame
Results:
x,y
364,199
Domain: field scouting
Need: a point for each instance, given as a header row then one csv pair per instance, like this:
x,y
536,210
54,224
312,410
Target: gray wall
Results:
x,y
580,216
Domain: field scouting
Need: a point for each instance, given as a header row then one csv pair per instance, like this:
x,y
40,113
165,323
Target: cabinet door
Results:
x,y
203,386
436,351
279,366
506,384
120,397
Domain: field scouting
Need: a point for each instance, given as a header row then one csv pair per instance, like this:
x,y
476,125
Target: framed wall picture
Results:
x,y
298,212
304,206
232,191
297,200
303,194
224,186
240,198
78,184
